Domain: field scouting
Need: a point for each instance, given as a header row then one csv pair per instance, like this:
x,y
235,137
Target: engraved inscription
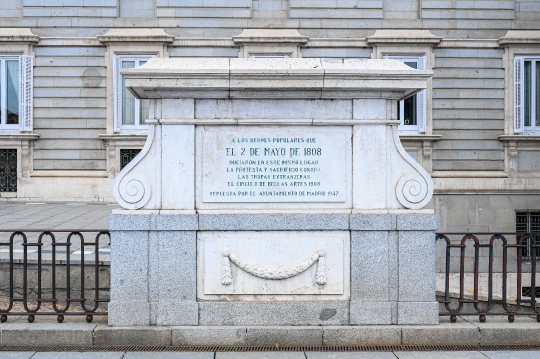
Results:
x,y
274,166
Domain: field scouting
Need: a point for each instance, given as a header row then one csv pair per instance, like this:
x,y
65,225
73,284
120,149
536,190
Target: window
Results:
x,y
130,113
412,110
527,94
8,170
528,223
16,73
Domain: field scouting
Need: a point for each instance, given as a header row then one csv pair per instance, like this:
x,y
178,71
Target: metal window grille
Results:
x,y
528,222
126,156
526,292
8,170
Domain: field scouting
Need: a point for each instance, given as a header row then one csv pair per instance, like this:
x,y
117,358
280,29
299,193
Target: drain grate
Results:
x,y
371,348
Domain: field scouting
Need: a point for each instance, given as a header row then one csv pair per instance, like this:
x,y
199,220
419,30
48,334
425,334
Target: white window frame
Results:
x,y
421,120
118,126
270,56
26,78
519,95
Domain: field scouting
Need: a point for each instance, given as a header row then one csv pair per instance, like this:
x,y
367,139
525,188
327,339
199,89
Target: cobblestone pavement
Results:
x,y
290,355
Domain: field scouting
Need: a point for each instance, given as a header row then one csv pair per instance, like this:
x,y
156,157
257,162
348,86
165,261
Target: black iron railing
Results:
x,y
44,281
494,274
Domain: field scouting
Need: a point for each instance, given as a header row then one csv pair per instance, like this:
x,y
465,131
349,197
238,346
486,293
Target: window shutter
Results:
x,y
518,95
26,92
117,84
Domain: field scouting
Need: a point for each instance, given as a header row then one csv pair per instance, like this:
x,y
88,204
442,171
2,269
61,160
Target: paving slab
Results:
x,y
529,354
165,355
440,355
261,355
350,355
16,355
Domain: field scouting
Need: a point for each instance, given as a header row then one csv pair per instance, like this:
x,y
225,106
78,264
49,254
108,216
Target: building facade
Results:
x,y
68,125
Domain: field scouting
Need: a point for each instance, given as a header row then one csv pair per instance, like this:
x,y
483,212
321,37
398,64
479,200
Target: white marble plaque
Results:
x,y
255,164
272,263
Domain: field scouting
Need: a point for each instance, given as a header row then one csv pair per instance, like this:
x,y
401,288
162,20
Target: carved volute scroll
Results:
x,y
132,187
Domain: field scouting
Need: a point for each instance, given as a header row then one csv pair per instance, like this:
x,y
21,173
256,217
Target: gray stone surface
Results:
x,y
440,355
461,333
130,222
362,313
184,336
104,335
176,266
284,336
373,222
362,335
169,355
186,222
369,266
274,313
417,222
261,355
40,333
129,279
349,355
269,222
416,266
526,354
177,313
129,313
418,313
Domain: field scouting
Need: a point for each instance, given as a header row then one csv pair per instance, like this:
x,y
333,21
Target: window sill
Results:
x,y
124,136
419,137
523,137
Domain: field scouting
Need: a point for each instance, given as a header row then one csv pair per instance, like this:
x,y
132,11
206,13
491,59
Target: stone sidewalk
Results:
x,y
280,355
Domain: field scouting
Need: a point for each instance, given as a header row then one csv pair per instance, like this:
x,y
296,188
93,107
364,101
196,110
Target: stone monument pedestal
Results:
x,y
273,192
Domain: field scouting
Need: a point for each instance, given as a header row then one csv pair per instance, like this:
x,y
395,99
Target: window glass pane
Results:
x,y
144,111
537,97
128,100
409,113
527,93
414,64
12,91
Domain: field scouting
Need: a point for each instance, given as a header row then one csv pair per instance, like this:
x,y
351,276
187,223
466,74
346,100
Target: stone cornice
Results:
x,y
288,36
18,35
135,35
403,37
272,78
18,136
520,37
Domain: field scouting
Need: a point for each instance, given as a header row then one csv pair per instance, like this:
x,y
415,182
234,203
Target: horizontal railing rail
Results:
x,y
509,262
79,263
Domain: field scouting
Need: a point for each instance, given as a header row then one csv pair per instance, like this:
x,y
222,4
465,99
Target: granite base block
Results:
x,y
184,222
269,336
362,313
274,313
462,333
418,313
417,222
372,335
208,336
177,313
372,222
104,335
499,331
273,222
129,222
129,314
